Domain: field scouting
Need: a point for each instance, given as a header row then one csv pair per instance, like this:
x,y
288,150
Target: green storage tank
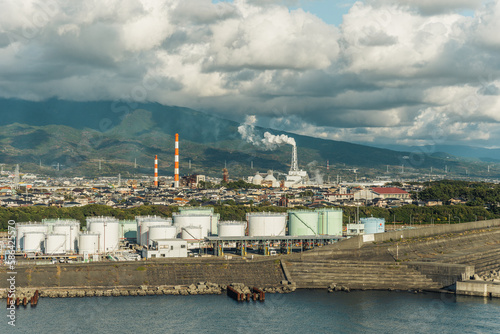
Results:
x,y
302,222
329,221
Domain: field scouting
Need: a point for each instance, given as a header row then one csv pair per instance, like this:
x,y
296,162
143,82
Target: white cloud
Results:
x,y
392,71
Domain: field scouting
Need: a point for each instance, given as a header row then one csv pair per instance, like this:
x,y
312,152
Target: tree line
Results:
x,y
474,193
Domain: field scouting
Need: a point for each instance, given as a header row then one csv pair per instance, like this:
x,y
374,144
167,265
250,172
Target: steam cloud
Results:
x,y
269,142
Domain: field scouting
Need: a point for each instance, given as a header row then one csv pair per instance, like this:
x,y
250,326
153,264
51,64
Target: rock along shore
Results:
x,y
201,288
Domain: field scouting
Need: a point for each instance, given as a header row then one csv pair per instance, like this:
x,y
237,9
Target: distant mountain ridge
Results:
x,y
77,134
463,151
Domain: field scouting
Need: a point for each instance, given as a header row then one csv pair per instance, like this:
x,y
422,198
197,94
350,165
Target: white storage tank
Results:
x,y
33,241
192,233
55,243
266,224
185,220
206,210
88,243
23,228
232,229
75,233
373,225
66,230
72,242
108,229
145,222
161,233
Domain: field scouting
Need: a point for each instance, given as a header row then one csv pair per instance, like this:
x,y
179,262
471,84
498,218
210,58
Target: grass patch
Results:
x,y
140,268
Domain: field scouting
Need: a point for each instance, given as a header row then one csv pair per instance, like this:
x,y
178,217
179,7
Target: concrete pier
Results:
x,y
478,288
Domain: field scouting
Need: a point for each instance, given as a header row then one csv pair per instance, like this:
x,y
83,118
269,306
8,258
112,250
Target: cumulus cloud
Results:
x,y
391,71
431,7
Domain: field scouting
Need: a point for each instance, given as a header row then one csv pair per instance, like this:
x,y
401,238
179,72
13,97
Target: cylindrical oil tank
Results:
x,y
185,220
34,241
88,243
108,229
23,228
302,222
192,233
55,243
145,222
329,221
66,230
128,230
162,232
72,242
75,233
232,229
266,224
195,210
373,225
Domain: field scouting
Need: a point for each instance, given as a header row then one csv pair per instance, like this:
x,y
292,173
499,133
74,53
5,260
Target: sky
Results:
x,y
408,72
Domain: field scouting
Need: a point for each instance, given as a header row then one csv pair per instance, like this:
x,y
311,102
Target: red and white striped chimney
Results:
x,y
176,167
156,171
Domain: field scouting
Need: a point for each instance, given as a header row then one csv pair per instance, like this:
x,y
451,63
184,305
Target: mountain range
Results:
x,y
75,136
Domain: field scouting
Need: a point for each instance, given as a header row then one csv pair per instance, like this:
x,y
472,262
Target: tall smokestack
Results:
x,y
156,171
327,164
176,167
295,164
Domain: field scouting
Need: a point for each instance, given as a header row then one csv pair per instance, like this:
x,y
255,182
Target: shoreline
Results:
x,y
201,288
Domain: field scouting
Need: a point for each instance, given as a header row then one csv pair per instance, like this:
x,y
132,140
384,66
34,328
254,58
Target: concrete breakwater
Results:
x,y
169,277
200,288
183,272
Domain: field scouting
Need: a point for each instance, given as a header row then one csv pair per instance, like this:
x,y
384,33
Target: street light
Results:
x,y
457,218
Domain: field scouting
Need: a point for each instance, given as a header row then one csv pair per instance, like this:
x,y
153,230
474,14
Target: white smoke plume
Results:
x,y
269,142
247,130
313,170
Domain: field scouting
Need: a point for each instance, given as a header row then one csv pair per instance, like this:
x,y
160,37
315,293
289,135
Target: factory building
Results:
x,y
355,229
391,192
265,180
165,248
295,178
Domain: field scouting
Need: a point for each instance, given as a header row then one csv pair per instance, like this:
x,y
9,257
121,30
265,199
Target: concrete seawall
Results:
x,y
152,273
443,273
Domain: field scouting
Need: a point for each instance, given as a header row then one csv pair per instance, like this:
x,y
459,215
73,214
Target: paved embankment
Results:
x,y
428,258
321,273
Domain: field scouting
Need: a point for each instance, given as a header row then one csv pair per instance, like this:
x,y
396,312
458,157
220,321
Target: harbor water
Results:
x,y
305,311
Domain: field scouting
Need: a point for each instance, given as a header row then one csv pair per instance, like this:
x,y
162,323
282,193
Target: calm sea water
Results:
x,y
307,311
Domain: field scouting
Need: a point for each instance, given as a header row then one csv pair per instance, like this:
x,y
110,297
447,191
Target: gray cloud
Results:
x,y
393,72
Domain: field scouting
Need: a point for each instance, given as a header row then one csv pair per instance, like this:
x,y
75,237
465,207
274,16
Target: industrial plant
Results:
x,y
193,230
